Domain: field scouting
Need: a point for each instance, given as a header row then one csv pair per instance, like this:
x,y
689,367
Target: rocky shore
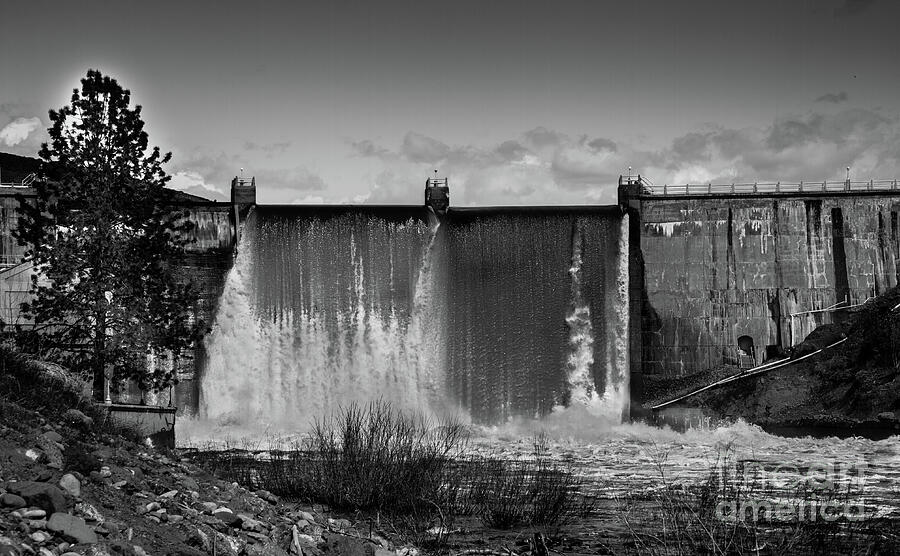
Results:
x,y
68,490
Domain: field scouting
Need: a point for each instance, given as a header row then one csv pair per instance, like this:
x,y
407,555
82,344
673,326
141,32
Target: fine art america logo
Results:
x,y
763,491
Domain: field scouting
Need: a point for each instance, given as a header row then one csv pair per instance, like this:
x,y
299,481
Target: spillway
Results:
x,y
499,312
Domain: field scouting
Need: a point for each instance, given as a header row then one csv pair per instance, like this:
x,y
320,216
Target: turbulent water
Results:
x,y
495,313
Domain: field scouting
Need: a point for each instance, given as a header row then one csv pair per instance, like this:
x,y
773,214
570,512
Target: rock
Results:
x,y
307,516
887,416
175,518
89,512
72,528
347,546
8,550
33,455
35,523
190,484
384,552
340,524
75,417
105,473
227,517
169,494
267,496
71,485
250,524
152,506
264,548
53,436
40,537
42,495
34,514
12,501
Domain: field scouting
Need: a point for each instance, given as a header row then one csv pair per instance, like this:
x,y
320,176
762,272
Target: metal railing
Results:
x,y
772,187
26,182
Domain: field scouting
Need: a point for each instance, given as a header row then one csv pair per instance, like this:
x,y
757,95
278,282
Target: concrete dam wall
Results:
x,y
733,278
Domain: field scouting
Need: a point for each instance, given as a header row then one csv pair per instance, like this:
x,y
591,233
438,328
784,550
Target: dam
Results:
x,y
508,311
497,312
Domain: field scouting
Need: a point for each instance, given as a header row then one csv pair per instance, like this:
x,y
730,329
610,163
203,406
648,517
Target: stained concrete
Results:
x,y
716,268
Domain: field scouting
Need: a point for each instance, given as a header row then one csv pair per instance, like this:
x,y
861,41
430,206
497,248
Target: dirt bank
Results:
x,y
853,388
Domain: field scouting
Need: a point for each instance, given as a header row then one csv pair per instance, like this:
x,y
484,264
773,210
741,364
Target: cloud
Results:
x,y
268,148
541,137
18,130
833,98
193,183
545,166
421,148
368,148
214,171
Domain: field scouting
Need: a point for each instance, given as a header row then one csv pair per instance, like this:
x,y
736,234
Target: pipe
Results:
x,y
762,369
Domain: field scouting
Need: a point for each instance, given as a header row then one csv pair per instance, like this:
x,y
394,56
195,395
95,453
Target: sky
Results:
x,y
515,102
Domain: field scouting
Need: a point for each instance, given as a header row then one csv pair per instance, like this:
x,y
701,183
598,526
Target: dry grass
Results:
x,y
733,513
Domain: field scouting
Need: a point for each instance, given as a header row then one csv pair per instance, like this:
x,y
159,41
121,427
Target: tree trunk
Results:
x,y
99,358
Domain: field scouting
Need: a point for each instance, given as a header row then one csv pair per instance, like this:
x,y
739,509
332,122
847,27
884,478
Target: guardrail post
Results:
x,y
894,184
871,184
709,188
801,186
777,187
756,187
665,188
732,187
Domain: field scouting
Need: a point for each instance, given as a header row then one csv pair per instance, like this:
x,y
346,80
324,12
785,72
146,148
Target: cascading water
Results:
x,y
538,320
503,313
322,309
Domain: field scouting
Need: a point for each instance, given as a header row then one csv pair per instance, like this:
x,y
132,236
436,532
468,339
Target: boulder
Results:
x,y
250,524
347,546
227,517
12,501
42,495
53,436
72,528
267,496
71,485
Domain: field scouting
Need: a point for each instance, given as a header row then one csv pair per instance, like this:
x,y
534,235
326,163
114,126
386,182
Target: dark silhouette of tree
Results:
x,y
106,242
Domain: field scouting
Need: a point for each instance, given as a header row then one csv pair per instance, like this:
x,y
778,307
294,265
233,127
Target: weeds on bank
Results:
x,y
414,473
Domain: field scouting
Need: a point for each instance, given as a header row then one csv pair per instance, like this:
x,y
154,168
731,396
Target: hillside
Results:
x,y
854,387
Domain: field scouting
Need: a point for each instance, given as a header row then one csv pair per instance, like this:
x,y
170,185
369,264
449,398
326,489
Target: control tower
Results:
x,y
437,194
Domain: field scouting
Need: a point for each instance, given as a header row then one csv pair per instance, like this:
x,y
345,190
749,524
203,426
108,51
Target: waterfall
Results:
x,y
324,311
501,313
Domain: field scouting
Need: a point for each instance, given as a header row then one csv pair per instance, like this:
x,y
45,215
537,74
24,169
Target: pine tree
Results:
x,y
106,242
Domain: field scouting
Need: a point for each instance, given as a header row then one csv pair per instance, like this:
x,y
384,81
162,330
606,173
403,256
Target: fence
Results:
x,y
772,187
